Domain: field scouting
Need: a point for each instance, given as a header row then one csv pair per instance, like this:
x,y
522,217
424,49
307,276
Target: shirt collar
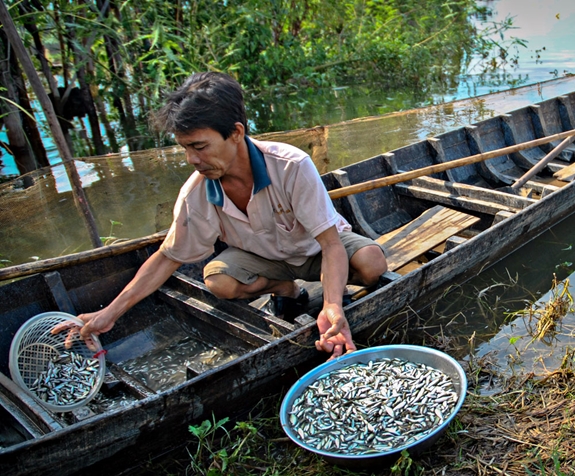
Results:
x,y
214,192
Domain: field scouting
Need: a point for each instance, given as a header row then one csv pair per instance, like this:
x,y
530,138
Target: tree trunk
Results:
x,y
110,133
101,108
11,116
57,101
122,99
28,122
80,61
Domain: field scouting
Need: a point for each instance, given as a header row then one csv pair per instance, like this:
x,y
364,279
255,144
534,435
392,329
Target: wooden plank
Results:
x,y
502,215
41,418
18,417
132,385
445,198
238,308
212,320
567,174
51,264
59,292
422,234
510,201
452,242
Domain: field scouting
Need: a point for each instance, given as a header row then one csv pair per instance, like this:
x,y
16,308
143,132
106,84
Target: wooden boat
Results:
x,y
436,230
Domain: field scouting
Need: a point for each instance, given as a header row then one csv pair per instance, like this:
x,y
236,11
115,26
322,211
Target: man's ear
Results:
x,y
238,132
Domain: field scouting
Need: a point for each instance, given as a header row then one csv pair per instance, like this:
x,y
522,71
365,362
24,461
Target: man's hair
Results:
x,y
207,100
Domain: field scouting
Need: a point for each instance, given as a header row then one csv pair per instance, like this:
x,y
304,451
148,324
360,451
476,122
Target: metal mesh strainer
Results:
x,y
58,370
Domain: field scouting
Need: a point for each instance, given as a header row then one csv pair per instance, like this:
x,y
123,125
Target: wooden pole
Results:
x,y
58,135
432,169
542,163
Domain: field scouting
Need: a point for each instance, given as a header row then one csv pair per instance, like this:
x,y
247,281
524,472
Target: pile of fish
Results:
x,y
67,380
372,408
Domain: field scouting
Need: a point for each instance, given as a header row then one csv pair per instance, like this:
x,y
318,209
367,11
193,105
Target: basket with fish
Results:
x,y
61,370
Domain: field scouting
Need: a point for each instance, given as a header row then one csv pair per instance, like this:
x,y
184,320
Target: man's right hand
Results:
x,y
151,275
95,323
335,334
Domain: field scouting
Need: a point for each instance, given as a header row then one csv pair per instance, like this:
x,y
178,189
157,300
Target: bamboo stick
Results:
x,y
542,163
432,169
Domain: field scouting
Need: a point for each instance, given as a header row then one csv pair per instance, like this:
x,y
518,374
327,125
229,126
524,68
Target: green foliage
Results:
x,y
405,466
107,240
4,262
133,51
513,340
217,448
541,463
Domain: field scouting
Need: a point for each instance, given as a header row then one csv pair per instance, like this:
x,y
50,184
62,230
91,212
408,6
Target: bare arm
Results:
x,y
333,326
151,275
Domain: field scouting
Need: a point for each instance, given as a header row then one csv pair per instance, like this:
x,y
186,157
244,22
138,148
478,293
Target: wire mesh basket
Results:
x,y
59,370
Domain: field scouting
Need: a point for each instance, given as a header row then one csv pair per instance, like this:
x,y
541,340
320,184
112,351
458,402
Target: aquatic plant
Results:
x,y
543,321
110,63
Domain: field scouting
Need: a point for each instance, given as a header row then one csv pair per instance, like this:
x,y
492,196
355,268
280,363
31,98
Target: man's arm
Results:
x,y
151,275
334,330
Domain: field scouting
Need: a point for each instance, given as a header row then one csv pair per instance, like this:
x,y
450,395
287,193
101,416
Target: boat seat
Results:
x,y
567,174
433,228
463,196
430,229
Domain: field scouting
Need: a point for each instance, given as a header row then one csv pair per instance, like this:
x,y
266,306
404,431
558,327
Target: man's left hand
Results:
x,y
334,332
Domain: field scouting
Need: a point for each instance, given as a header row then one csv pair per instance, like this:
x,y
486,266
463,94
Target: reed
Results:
x,y
543,320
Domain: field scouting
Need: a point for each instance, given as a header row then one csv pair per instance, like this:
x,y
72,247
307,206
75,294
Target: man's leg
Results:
x,y
366,259
227,287
367,265
237,274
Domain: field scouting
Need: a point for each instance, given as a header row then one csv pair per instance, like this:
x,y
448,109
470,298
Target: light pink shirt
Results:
x,y
282,219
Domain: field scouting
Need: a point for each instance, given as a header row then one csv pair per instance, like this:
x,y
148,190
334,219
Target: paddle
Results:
x,y
432,169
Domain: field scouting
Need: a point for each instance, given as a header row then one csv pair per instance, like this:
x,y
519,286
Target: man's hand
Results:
x,y
95,324
334,332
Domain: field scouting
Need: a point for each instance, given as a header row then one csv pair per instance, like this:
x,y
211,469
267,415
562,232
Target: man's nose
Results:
x,y
192,157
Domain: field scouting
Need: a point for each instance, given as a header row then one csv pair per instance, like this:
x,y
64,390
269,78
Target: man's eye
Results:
x,y
199,147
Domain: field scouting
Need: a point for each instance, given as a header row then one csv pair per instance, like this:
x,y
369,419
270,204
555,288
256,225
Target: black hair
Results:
x,y
206,100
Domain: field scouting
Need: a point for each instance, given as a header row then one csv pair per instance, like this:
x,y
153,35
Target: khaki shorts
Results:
x,y
247,267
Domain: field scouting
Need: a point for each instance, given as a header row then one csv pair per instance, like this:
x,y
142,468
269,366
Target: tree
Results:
x,y
9,107
121,57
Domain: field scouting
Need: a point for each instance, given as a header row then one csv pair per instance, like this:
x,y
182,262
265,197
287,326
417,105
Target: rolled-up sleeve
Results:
x,y
191,236
312,206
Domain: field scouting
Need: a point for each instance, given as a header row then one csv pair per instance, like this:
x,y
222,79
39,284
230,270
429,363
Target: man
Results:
x,y
266,201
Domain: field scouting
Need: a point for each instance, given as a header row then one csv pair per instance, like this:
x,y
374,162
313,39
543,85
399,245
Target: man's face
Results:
x,y
208,152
